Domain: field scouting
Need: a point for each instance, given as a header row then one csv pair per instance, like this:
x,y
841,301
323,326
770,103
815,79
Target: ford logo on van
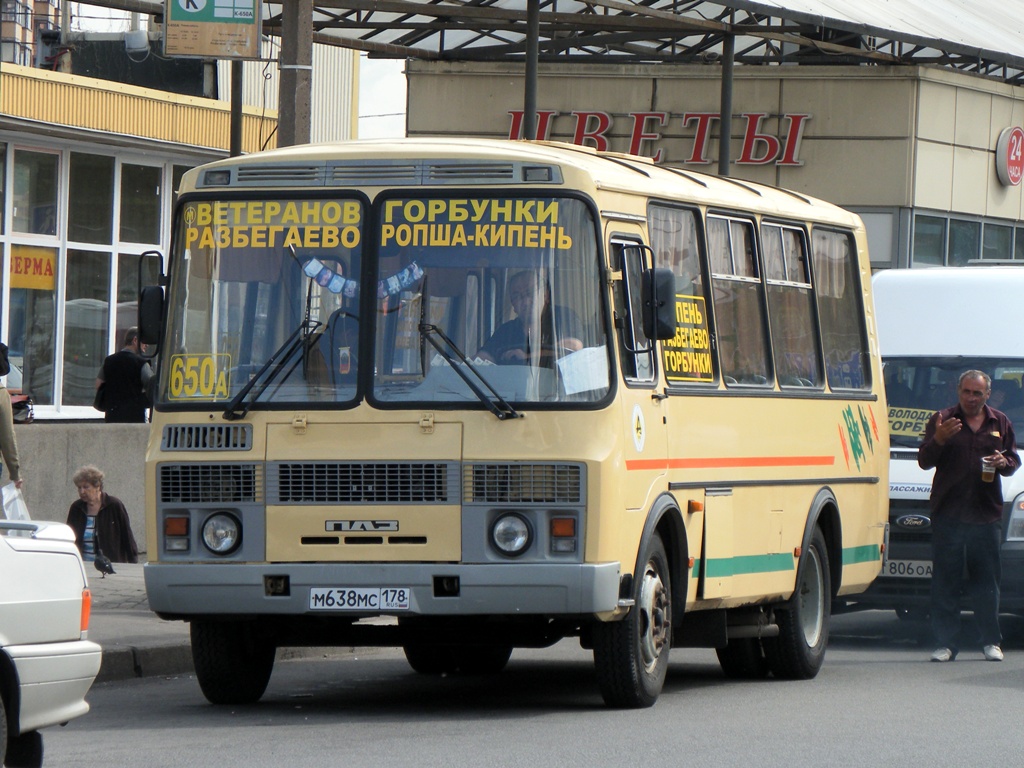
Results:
x,y
914,522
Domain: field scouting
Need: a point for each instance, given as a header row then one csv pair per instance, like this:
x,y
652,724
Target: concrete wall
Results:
x,y
51,452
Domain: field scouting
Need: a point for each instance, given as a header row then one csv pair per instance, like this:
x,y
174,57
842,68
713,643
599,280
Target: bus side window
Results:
x,y
841,315
738,300
791,307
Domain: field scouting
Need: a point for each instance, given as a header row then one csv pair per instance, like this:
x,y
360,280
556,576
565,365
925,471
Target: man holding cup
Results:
x,y
970,445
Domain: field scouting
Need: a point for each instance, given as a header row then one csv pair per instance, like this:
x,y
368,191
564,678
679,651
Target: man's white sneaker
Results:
x,y
944,654
993,653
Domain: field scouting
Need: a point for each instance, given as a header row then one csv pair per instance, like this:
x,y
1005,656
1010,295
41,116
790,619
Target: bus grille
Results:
x,y
206,437
209,483
523,483
360,483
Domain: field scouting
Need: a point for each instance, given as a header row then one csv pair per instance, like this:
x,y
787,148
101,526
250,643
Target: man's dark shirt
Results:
x,y
123,387
958,492
512,334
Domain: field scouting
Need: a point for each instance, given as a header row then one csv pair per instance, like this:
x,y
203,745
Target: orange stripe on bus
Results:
x,y
728,463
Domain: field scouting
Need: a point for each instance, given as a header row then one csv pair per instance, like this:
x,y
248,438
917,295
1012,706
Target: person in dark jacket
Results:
x,y
967,510
100,521
123,379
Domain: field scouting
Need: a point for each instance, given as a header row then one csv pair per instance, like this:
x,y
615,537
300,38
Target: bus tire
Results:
x,y
232,663
631,655
799,650
450,659
743,659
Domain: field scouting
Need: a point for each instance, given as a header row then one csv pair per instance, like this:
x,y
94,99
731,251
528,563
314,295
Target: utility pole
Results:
x,y
295,89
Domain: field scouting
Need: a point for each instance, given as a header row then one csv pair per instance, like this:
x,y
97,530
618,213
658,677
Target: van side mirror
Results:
x,y
151,312
659,300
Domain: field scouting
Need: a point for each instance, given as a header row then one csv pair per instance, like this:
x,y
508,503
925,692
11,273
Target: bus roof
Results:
x,y
925,312
381,163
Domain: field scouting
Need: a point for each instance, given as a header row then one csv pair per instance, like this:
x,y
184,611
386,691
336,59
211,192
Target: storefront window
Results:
x,y
929,240
34,209
32,318
964,241
140,203
128,288
91,198
1018,244
998,239
86,309
176,173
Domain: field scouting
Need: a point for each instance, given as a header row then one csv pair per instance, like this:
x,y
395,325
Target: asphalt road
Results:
x,y
877,702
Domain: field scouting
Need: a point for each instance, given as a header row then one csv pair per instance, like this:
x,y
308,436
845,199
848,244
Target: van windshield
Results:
x,y
916,387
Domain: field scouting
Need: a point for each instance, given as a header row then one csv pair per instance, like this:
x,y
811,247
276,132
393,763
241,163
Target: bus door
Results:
x,y
644,412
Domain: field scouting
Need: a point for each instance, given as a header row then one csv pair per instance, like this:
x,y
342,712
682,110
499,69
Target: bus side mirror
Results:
x,y
659,300
151,312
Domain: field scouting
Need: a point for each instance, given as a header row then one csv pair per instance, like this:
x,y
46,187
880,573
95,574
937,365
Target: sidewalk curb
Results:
x,y
129,662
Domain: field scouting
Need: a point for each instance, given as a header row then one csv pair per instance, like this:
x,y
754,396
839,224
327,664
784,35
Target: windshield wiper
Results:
x,y
299,338
497,405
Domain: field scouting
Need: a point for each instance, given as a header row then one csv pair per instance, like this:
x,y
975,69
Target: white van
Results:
x,y
933,324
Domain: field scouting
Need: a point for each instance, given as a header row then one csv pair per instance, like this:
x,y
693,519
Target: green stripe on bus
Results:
x,y
735,566
747,564
869,553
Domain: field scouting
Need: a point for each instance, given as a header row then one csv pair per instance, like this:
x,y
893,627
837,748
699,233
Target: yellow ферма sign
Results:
x,y
33,267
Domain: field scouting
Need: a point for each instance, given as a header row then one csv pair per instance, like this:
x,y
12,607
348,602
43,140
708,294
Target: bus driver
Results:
x,y
537,329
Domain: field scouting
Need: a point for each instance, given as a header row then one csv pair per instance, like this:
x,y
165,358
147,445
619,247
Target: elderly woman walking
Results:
x,y
100,521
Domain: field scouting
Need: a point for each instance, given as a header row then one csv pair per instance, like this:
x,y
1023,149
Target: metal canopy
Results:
x,y
981,36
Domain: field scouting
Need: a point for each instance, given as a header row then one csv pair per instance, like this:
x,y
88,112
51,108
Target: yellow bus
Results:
x,y
465,396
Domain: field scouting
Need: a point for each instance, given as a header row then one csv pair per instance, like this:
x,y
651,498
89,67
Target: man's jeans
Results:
x,y
954,545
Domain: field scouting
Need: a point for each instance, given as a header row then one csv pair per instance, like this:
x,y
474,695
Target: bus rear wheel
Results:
x,y
232,662
798,651
631,655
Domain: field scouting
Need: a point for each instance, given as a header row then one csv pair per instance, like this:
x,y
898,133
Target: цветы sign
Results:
x,y
598,129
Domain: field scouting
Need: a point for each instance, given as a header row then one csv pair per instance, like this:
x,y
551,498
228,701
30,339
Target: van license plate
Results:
x,y
909,569
359,598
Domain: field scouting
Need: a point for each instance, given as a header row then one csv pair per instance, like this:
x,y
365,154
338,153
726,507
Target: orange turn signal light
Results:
x,y
562,527
176,526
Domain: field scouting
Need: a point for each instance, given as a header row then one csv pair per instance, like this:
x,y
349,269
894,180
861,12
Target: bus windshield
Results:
x,y
256,280
488,297
473,300
917,387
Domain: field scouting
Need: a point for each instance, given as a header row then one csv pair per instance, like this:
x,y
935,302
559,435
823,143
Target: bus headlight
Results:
x,y
1015,529
511,535
222,533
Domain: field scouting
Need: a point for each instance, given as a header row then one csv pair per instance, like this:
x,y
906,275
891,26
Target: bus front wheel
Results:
x,y
798,651
232,663
631,655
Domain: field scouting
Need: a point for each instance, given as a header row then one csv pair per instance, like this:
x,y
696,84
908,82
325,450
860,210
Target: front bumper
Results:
x,y
545,589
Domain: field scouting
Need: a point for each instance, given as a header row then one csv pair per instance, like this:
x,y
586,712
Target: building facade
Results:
x,y
929,157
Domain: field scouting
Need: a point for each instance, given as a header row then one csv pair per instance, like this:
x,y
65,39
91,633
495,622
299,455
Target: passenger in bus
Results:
x,y
539,332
